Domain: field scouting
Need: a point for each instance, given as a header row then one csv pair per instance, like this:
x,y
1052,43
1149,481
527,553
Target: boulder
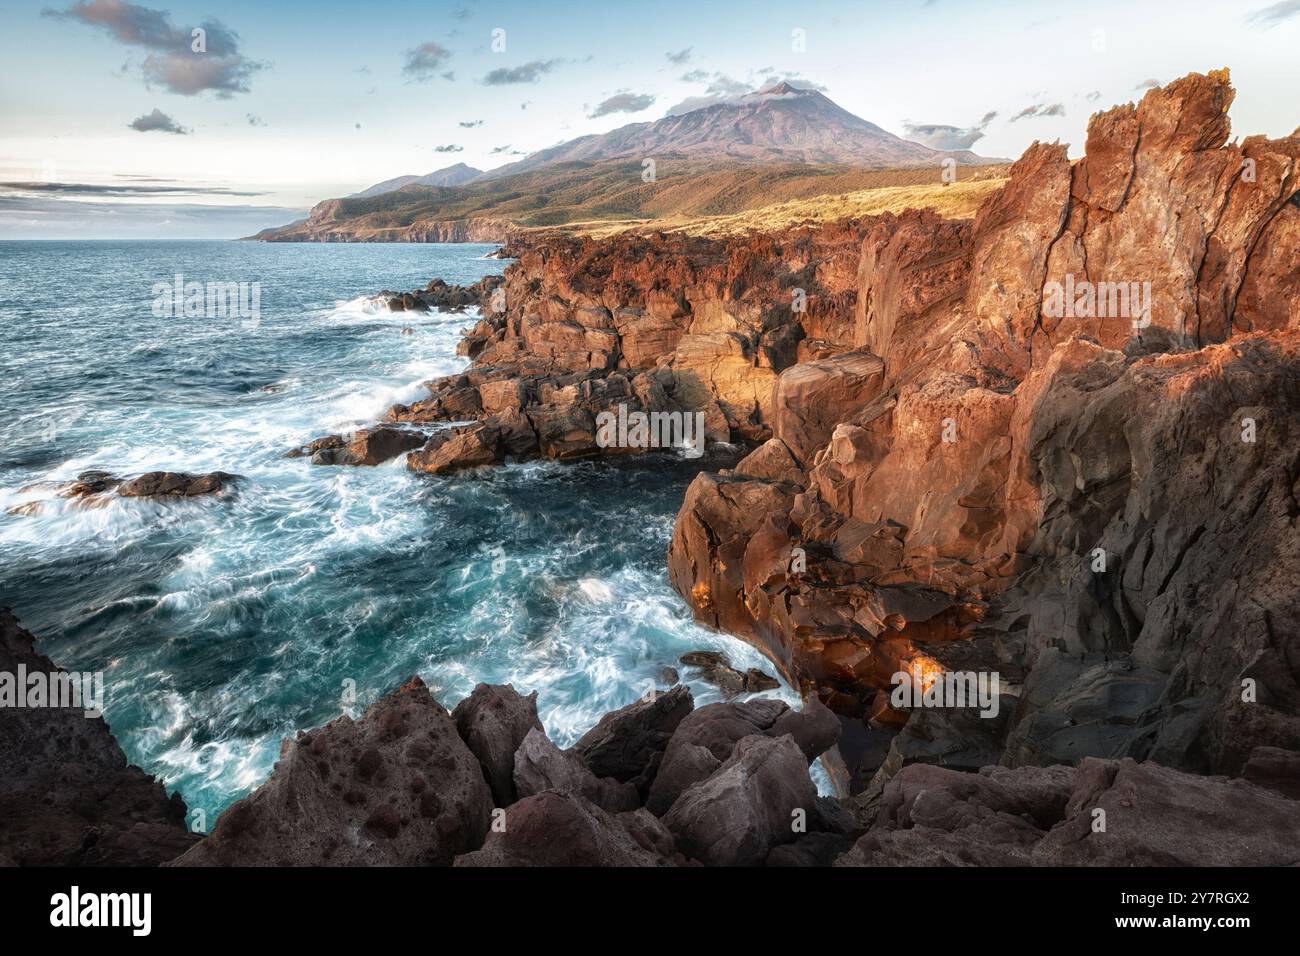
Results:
x,y
396,788
370,446
68,797
627,744
553,828
540,765
1157,816
749,805
493,721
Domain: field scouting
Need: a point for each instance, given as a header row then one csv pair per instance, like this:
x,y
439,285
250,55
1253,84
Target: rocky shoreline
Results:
x,y
946,473
1087,500
657,783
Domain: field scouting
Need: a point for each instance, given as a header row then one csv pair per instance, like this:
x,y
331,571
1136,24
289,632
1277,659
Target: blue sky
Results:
x,y
308,101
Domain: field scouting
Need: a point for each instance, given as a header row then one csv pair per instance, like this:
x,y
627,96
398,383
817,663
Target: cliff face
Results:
x,y
1094,497
1057,442
329,223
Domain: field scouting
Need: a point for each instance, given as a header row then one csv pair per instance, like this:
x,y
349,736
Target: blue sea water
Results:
x,y
224,625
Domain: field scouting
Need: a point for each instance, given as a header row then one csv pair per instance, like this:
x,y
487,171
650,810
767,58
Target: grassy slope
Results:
x,y
614,192
957,201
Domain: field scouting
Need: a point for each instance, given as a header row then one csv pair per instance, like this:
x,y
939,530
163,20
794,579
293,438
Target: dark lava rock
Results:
x,y
563,829
707,737
540,765
396,788
1102,813
493,721
627,744
748,806
68,797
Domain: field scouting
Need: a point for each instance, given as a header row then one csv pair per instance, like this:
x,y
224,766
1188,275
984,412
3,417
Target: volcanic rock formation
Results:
x,y
1058,442
67,795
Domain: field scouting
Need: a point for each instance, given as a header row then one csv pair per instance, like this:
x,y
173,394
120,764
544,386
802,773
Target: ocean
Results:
x,y
224,625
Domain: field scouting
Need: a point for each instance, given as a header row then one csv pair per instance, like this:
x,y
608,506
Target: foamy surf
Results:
x,y
232,623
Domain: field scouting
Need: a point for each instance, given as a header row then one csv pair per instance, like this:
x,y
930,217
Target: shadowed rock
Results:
x,y
627,744
68,797
493,721
397,788
563,829
540,765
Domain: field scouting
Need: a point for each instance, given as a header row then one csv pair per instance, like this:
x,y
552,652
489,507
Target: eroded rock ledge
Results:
x,y
659,783
656,783
1102,508
67,795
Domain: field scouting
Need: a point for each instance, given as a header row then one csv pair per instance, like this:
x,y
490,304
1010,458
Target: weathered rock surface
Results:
x,y
748,806
369,446
706,739
176,484
627,744
563,829
92,487
1104,812
493,721
728,785
1155,816
68,797
540,765
398,787
716,668
1095,498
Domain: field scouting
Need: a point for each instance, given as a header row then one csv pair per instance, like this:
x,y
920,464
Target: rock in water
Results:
x,y
176,484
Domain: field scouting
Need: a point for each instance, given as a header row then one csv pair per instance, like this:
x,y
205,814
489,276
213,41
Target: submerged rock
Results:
x,y
175,484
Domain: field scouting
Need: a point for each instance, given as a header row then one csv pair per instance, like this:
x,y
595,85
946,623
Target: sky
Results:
x,y
113,124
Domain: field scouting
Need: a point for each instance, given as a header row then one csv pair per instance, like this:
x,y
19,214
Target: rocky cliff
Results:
x,y
1055,448
1057,442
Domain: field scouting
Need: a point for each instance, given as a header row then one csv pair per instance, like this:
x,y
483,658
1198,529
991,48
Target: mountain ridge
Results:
x,y
455,175
778,134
